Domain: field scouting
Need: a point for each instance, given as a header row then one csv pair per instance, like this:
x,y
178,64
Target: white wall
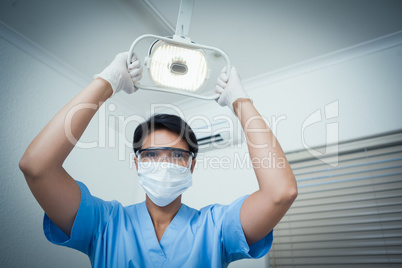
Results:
x,y
368,90
32,93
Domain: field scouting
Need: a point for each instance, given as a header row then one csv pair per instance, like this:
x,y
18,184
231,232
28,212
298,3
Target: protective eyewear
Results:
x,y
172,155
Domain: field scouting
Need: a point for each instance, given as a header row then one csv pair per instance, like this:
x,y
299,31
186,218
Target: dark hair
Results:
x,y
169,122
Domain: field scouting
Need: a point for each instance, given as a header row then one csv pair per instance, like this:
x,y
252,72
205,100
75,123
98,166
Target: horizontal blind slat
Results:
x,y
363,259
351,170
330,185
357,265
350,191
334,229
341,163
359,197
361,154
339,252
344,222
372,242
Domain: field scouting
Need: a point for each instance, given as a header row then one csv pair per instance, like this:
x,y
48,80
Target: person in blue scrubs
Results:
x,y
161,231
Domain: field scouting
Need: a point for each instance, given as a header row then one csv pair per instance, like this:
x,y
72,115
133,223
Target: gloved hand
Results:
x,y
119,77
231,89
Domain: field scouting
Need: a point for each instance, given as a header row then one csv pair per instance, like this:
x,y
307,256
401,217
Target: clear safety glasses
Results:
x,y
172,155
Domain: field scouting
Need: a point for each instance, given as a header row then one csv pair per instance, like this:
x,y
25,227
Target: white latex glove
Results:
x,y
231,89
119,77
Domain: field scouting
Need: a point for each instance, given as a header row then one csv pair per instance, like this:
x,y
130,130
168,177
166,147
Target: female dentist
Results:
x,y
161,231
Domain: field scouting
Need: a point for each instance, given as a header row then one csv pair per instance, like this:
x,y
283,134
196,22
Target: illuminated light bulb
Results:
x,y
178,67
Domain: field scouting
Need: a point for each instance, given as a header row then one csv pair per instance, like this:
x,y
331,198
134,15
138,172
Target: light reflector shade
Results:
x,y
178,67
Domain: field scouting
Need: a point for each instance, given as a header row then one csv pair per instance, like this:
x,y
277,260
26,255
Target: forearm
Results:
x,y
273,172
53,144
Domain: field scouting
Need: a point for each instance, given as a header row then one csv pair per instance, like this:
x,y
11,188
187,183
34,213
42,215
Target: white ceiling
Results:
x,y
259,36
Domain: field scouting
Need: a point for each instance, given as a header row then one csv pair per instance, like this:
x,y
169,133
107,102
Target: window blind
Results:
x,y
346,215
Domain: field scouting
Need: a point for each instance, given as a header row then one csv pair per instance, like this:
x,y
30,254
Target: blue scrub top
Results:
x,y
116,236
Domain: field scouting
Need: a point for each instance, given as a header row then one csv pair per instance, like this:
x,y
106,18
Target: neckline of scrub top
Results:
x,y
161,250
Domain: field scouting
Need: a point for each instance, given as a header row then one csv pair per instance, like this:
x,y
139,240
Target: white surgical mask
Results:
x,y
163,181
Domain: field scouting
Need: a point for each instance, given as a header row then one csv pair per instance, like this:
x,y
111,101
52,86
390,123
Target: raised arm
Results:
x,y
54,189
263,209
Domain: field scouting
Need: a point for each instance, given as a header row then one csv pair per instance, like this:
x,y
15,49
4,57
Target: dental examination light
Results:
x,y
177,64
